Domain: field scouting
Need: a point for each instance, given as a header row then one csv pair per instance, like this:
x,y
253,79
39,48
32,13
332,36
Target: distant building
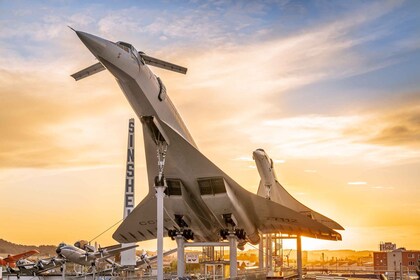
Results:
x,y
393,262
387,246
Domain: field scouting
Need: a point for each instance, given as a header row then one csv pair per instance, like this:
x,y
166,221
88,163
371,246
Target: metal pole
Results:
x,y
261,253
299,256
266,252
159,196
233,255
180,267
269,255
63,275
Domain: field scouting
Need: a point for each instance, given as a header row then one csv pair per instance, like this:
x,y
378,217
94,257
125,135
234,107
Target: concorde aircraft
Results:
x,y
201,201
271,189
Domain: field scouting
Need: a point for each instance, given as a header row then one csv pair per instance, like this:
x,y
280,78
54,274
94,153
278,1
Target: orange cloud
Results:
x,y
45,124
399,129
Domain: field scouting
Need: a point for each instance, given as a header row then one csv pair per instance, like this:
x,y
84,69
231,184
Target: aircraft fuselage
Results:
x,y
265,168
138,83
75,255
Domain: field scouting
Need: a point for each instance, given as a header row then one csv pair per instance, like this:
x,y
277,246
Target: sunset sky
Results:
x,y
329,89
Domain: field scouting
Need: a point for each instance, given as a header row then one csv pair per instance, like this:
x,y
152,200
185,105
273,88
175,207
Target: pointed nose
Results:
x,y
95,44
257,153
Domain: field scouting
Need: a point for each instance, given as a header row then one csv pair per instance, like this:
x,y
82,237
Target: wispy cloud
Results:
x,y
357,183
244,158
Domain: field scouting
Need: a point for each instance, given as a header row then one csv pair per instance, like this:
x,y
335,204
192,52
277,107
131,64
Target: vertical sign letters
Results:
x,y
129,174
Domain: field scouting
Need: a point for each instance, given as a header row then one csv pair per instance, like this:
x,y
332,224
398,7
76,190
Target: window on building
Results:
x,y
411,256
411,263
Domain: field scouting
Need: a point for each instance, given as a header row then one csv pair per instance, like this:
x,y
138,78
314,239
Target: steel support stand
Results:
x,y
63,273
299,256
269,255
180,267
261,253
160,194
233,255
160,186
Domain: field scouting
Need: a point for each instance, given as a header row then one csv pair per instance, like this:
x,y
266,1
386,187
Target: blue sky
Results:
x,y
330,89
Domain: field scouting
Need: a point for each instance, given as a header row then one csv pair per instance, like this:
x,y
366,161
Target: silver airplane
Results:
x,y
143,260
202,202
26,267
88,256
271,189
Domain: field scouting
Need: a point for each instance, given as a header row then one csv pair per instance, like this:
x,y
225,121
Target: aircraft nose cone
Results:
x,y
255,154
58,251
95,44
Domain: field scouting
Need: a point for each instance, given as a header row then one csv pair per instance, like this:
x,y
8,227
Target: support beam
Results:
x,y
270,271
160,194
205,244
233,255
63,270
299,256
261,253
180,267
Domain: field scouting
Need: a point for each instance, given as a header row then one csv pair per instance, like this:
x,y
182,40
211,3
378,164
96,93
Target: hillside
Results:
x,y
12,248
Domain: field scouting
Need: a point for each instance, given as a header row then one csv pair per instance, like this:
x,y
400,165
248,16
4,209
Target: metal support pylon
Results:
x,y
160,186
180,269
233,255
299,256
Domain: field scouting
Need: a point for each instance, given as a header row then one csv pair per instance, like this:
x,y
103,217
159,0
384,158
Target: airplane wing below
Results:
x,y
280,195
20,256
112,252
112,247
152,259
189,174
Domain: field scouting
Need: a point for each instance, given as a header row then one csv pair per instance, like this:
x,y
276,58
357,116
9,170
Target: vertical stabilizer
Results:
x,y
128,258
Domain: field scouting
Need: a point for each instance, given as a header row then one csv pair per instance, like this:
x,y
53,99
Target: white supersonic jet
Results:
x,y
202,202
271,189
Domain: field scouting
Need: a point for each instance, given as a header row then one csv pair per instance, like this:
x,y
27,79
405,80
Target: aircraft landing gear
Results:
x,y
186,233
240,233
233,235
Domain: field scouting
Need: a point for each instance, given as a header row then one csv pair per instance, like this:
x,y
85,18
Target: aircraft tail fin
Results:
x,y
261,189
163,64
88,71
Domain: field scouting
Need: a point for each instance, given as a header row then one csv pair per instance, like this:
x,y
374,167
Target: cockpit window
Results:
x,y
129,48
125,46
